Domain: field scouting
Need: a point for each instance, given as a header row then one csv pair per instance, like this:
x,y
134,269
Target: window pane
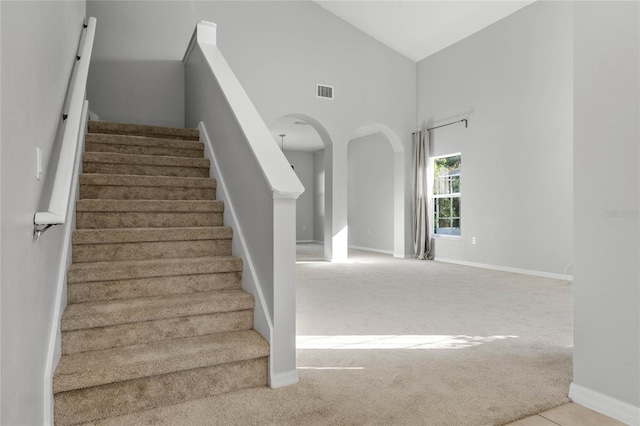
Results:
x,y
455,206
443,207
446,175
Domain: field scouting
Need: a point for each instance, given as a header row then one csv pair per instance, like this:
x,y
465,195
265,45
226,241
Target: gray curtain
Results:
x,y
421,237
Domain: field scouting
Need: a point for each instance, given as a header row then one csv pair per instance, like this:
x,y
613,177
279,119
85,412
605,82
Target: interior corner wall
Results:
x,y
370,193
607,202
318,196
39,44
513,81
302,161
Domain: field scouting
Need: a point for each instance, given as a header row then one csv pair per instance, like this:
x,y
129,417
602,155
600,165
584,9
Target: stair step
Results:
x,y
94,291
99,245
104,213
93,339
95,368
126,311
125,187
116,399
108,127
128,144
135,269
151,165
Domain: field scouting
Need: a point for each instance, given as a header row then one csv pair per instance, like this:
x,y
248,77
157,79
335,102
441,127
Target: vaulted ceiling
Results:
x,y
420,28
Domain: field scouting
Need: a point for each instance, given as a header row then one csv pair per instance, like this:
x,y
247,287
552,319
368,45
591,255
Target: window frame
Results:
x,y
433,197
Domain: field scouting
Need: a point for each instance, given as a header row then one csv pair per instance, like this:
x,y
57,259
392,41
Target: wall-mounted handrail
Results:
x,y
56,213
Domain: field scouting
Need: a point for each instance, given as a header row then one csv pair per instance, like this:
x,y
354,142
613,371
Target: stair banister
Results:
x,y
75,120
260,191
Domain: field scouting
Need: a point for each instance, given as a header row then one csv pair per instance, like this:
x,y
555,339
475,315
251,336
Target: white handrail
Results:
x,y
56,214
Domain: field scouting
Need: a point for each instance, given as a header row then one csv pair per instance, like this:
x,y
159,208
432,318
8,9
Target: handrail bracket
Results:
x,y
38,230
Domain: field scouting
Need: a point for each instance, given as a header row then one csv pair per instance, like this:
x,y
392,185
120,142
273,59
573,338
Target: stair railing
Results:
x,y
259,189
75,118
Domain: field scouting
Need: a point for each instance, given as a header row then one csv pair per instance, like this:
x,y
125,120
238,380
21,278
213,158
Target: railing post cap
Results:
x,y
206,32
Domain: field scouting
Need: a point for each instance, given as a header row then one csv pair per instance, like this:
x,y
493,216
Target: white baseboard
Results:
x,y
371,249
508,269
305,241
404,256
278,380
604,404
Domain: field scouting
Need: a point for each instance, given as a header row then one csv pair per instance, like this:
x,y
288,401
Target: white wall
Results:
x,y
137,75
318,195
370,193
39,43
303,166
279,51
513,81
607,198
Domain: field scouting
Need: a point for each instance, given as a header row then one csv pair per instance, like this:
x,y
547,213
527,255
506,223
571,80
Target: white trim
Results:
x,y
375,250
450,237
55,337
604,404
284,379
508,269
305,241
209,37
404,256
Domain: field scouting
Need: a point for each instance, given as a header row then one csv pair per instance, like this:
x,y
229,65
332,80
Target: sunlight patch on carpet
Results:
x,y
395,341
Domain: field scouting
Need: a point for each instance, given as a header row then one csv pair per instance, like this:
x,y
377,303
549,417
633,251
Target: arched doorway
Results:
x,y
303,141
377,155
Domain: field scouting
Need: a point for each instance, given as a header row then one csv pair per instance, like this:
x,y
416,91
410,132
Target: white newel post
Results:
x,y
283,359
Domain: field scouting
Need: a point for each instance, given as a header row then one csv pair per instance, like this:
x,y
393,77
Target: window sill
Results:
x,y
447,237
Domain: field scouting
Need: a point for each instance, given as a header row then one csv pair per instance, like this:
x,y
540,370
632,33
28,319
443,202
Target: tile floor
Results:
x,y
570,414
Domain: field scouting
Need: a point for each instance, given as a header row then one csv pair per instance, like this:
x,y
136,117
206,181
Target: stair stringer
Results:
x,y
250,282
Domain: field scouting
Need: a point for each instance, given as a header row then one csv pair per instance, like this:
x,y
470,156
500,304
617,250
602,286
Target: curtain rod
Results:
x,y
466,124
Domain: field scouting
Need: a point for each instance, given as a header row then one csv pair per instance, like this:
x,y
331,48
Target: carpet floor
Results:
x,y
385,341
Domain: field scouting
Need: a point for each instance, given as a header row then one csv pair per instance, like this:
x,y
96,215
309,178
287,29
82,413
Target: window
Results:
x,y
447,171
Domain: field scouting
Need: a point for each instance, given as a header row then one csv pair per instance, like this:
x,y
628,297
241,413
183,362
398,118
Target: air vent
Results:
x,y
324,91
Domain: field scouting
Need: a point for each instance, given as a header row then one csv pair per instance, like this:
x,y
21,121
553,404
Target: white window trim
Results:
x,y
432,197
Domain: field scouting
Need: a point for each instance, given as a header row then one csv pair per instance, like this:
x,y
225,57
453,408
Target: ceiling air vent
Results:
x,y
324,91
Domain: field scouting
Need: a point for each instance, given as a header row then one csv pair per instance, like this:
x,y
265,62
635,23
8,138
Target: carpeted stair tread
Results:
x,y
93,291
93,339
144,187
186,206
94,368
143,141
107,127
126,311
99,245
115,399
149,165
146,181
133,269
132,235
149,160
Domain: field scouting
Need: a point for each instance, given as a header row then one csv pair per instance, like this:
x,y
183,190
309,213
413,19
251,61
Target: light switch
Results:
x,y
38,163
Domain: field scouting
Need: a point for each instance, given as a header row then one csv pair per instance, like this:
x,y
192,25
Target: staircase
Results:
x,y
156,314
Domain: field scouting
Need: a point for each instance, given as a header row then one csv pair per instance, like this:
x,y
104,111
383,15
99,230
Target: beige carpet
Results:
x,y
406,342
